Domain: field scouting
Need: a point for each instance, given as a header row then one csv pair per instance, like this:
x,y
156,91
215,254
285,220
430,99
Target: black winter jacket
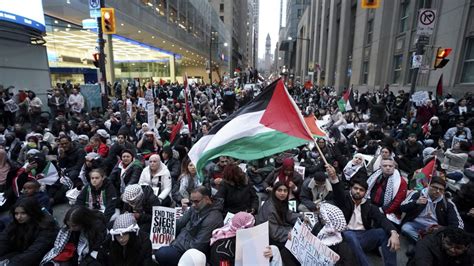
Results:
x,y
108,198
238,198
194,229
446,212
146,210
371,216
131,175
42,242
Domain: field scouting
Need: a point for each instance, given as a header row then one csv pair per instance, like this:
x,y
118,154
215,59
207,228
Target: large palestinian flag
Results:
x,y
269,124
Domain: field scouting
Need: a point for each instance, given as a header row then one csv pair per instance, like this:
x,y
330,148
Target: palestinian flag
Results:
x,y
346,103
313,127
269,124
422,177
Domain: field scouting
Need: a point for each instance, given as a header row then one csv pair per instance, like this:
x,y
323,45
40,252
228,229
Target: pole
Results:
x,y
210,58
101,42
420,50
320,152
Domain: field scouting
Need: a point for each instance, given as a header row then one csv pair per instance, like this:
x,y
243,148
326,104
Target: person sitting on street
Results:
x,y
286,174
140,200
449,246
70,157
157,176
315,189
126,172
194,228
387,189
355,169
367,227
429,209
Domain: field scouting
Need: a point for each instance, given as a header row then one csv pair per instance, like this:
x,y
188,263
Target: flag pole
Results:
x,y
320,152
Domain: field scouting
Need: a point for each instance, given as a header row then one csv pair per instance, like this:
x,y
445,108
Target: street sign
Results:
x,y
426,21
94,8
89,23
416,62
423,40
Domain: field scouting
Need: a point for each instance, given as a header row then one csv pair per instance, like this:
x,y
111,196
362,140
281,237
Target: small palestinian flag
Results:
x,y
422,177
346,103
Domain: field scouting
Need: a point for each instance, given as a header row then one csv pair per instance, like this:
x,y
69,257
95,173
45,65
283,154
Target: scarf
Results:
x,y
351,169
61,240
288,163
4,167
393,184
241,220
334,224
123,172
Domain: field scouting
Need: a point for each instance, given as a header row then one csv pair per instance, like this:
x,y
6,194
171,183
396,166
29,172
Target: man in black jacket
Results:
x,y
429,208
367,227
172,163
450,246
70,158
116,150
194,229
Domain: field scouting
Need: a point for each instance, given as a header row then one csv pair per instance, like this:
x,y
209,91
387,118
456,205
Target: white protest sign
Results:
x,y
292,205
420,97
151,115
308,249
228,217
141,102
250,245
129,107
457,140
311,217
163,226
300,170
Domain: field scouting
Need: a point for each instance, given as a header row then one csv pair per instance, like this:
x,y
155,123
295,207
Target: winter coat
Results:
x,y
371,216
142,258
273,176
161,182
105,196
278,230
309,193
194,229
446,211
429,251
73,161
129,177
174,168
41,243
146,209
238,198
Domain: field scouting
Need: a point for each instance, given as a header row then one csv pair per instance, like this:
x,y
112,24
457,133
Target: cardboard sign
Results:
x,y
250,245
163,226
151,115
308,249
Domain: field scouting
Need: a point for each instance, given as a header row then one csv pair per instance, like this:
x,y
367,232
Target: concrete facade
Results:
x,y
369,48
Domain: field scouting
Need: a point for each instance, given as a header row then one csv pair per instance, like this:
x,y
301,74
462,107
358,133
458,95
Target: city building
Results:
x,y
241,19
370,48
268,59
154,39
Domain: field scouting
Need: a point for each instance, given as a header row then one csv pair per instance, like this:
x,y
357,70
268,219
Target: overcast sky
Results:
x,y
269,20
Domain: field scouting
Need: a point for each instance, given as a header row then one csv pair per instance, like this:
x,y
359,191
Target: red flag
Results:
x,y
189,118
426,128
175,131
439,87
162,82
313,127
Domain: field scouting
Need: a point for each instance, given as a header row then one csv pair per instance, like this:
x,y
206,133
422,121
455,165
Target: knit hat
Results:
x,y
428,154
103,133
132,194
438,180
83,137
125,223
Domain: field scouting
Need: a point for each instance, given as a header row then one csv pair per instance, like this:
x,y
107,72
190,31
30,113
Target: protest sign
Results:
x,y
457,140
308,249
163,227
420,97
250,245
228,217
300,170
311,217
142,102
151,115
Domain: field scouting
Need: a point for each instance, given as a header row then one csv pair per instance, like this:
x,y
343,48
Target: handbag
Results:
x,y
67,253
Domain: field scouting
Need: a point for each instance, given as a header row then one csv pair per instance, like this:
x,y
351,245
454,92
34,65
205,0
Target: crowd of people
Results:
x,y
394,169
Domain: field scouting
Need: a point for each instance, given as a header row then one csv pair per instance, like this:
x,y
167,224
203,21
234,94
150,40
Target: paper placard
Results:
x,y
308,249
250,245
228,217
163,226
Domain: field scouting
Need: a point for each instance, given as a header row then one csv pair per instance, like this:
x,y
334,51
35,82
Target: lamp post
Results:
x,y
297,38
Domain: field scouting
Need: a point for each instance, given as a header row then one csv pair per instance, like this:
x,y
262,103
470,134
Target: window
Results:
x,y
370,31
221,7
365,72
404,16
222,18
397,69
467,75
299,13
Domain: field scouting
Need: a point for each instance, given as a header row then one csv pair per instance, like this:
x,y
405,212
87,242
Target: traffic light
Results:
x,y
108,20
370,3
96,60
441,55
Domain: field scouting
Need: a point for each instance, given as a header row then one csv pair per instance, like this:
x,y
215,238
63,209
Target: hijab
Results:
x,y
288,163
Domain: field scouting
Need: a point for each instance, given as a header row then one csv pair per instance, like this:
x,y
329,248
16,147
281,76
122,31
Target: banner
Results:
x,y
163,227
92,96
150,109
308,249
250,244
